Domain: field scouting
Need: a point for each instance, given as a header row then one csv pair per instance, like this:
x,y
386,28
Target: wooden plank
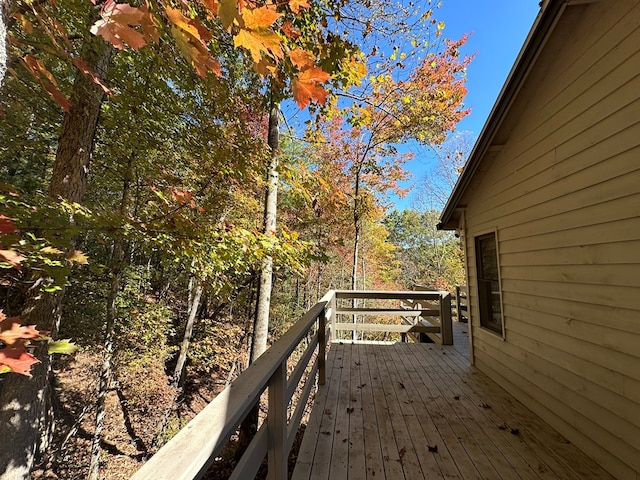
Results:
x,y
339,466
383,327
277,425
388,442
501,418
487,458
387,295
445,320
308,446
470,462
387,311
625,275
357,449
301,407
405,454
372,447
612,253
619,319
417,414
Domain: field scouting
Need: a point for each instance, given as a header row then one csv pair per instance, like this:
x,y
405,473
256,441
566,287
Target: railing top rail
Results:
x,y
389,294
190,453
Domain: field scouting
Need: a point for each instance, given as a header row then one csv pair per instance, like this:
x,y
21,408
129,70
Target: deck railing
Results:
x,y
193,450
462,304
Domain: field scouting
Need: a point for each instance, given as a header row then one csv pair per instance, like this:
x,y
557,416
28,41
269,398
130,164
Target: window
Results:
x,y
488,282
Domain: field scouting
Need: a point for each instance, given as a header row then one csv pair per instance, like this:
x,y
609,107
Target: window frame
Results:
x,y
484,304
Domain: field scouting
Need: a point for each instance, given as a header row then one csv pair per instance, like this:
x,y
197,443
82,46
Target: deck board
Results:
x,y
384,405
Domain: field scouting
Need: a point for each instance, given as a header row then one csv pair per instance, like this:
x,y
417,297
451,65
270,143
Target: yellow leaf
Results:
x,y
51,250
248,40
180,21
262,17
78,257
257,42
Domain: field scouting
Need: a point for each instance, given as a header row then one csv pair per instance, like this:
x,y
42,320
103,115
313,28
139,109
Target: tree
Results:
x,y
450,158
427,256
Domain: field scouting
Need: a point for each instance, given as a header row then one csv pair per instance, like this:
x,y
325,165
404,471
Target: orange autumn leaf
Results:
x,y
12,257
12,333
306,88
118,25
76,256
191,38
296,5
290,31
13,340
301,58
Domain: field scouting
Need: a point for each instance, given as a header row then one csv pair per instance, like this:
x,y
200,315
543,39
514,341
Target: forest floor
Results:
x,y
131,422
130,426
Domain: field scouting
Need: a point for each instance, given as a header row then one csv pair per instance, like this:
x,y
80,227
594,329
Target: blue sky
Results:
x,y
498,29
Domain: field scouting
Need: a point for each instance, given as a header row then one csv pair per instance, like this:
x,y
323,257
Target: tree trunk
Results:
x,y
24,410
249,426
69,178
356,243
5,8
117,267
261,322
195,294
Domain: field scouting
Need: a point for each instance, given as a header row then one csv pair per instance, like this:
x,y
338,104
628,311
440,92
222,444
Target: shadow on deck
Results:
x,y
413,411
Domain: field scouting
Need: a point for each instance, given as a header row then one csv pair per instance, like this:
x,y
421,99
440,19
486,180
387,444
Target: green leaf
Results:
x,y
64,347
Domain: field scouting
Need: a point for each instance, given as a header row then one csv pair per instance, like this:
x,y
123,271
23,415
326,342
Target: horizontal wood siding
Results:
x,y
563,192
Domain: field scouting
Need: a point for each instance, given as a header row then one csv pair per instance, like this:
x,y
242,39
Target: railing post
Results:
x,y
334,306
277,425
458,303
322,345
446,329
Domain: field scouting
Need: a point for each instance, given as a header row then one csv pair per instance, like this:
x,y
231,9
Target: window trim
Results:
x,y
476,238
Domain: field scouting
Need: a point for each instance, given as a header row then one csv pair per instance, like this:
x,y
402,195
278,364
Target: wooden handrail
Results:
x,y
189,454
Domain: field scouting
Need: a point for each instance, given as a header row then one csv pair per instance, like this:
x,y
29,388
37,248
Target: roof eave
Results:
x,y
542,28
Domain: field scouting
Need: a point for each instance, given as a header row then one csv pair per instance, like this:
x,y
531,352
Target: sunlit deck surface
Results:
x,y
413,411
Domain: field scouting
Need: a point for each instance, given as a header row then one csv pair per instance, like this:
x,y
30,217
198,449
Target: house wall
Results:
x,y
562,187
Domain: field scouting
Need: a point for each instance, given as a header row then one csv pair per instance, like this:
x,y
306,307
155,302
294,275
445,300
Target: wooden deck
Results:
x,y
414,411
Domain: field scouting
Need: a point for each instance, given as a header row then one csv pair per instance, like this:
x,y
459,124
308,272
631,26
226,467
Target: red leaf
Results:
x,y
46,79
18,360
86,69
7,225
